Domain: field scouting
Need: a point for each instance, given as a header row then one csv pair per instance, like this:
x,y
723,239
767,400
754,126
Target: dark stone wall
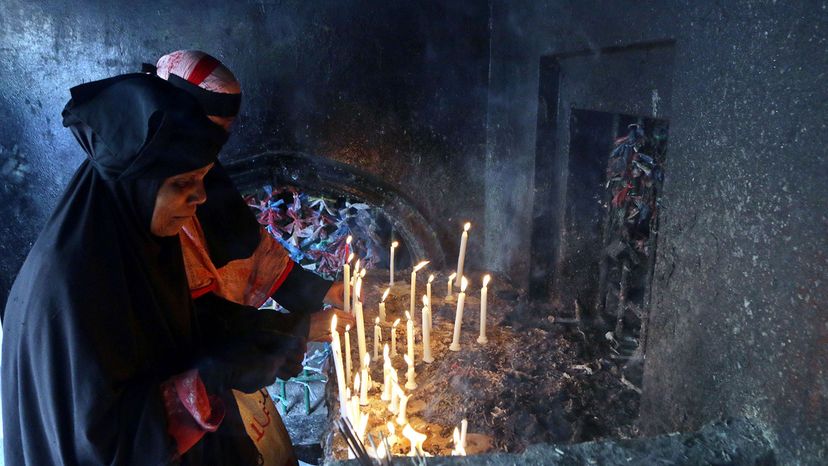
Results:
x,y
397,89
739,324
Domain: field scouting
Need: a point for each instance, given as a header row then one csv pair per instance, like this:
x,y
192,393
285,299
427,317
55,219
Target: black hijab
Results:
x,y
100,313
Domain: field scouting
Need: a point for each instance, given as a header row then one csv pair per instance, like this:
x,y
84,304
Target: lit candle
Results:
x,y
414,284
366,381
427,331
393,247
395,398
410,384
336,353
392,435
377,337
464,238
483,298
386,374
346,280
394,337
382,305
360,321
415,439
428,289
348,245
450,282
458,447
403,405
348,352
464,425
458,316
354,278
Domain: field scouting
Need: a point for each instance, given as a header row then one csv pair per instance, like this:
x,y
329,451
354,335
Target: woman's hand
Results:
x,y
320,325
335,295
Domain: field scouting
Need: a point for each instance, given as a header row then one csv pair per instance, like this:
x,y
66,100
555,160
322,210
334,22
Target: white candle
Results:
x,y
414,284
415,439
348,352
410,383
366,381
377,337
360,321
394,337
450,283
458,447
458,316
483,298
382,305
428,288
403,405
393,248
427,331
464,238
464,425
354,279
336,353
386,374
395,398
392,435
346,280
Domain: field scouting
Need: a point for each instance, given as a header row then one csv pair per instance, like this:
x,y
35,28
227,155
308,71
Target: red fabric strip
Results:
x,y
282,277
203,68
199,292
191,412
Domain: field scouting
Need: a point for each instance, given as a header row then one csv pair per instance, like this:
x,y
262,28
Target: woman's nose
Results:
x,y
199,194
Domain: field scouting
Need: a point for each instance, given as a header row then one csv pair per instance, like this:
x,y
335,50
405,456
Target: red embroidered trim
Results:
x,y
282,277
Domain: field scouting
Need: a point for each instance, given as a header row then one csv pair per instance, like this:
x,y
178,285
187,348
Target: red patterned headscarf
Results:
x,y
207,79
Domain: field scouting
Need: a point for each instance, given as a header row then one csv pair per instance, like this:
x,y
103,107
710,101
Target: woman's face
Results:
x,y
177,200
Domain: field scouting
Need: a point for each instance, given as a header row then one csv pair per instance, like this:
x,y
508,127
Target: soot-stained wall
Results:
x,y
394,88
739,325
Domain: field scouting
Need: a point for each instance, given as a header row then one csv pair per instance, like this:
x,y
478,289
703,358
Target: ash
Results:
x,y
537,380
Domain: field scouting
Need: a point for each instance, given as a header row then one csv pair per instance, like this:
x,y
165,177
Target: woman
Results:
x,y
100,341
233,263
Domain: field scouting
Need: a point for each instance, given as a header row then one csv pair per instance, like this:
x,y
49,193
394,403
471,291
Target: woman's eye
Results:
x,y
181,183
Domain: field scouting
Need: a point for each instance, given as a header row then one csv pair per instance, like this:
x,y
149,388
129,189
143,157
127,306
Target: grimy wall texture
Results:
x,y
441,99
397,90
739,324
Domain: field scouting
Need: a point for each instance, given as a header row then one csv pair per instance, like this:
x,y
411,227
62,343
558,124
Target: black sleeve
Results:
x,y
302,291
222,321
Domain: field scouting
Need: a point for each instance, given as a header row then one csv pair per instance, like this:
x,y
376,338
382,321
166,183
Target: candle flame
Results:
x,y
385,351
420,266
381,451
348,328
385,294
396,322
391,429
356,267
486,280
431,278
367,359
407,315
333,324
358,288
350,257
425,300
463,284
376,321
362,273
467,226
349,239
451,277
394,244
356,384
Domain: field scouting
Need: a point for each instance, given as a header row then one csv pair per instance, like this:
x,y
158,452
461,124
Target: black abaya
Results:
x,y
100,315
